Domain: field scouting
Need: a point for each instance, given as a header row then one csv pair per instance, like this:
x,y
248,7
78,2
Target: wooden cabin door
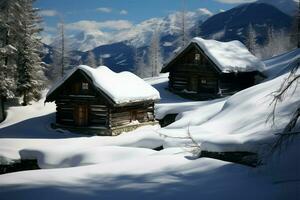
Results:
x,y
81,115
193,83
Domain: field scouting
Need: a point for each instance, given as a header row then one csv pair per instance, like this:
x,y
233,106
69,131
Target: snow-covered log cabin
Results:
x,y
207,69
102,102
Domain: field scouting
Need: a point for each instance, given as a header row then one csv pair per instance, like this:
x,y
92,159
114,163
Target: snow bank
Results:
x,y
279,65
123,87
74,156
159,177
163,109
10,148
230,56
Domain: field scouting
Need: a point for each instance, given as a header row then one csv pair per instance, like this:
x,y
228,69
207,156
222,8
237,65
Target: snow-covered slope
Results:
x,y
125,167
279,65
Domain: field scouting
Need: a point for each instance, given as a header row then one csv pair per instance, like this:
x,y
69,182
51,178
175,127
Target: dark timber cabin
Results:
x,y
207,69
102,102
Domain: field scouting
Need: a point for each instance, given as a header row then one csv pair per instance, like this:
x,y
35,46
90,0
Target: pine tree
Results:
x,y
91,60
30,80
7,71
251,39
155,58
61,54
8,29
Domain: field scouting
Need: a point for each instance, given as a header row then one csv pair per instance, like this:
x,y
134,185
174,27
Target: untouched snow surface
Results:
x,y
125,167
121,87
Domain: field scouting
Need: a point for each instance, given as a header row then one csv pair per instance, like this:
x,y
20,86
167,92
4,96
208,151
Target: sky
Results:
x,y
113,15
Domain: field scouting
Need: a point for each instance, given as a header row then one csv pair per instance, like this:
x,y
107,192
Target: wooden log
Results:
x,y
120,114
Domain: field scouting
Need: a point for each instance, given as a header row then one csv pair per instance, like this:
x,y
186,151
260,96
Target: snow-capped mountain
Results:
x,y
87,40
233,24
287,6
138,35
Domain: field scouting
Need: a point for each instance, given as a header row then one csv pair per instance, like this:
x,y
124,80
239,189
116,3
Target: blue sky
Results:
x,y
124,12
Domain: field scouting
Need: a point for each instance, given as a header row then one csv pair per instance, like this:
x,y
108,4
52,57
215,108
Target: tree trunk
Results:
x,y
25,103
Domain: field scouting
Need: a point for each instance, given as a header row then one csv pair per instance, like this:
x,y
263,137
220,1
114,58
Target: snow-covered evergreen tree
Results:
x,y
155,58
8,29
7,71
251,40
91,59
30,80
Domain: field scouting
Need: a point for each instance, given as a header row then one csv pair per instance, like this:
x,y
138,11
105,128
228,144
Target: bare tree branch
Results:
x,y
279,96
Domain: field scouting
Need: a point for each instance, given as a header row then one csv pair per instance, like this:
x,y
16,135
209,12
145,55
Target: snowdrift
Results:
x,y
81,167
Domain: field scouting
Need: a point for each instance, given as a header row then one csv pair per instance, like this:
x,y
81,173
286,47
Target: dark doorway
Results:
x,y
81,115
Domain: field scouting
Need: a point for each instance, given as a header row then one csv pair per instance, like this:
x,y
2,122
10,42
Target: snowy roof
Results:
x,y
123,87
228,56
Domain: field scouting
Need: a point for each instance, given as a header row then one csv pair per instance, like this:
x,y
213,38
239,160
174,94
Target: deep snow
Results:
x,y
81,167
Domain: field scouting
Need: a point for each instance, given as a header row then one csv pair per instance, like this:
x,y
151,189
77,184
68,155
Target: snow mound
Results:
x,y
62,157
230,56
279,65
124,87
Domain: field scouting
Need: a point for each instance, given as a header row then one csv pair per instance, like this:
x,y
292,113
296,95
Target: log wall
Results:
x,y
125,115
193,72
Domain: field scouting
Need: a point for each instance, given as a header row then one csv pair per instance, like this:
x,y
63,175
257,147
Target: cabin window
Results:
x,y
85,86
197,57
203,81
